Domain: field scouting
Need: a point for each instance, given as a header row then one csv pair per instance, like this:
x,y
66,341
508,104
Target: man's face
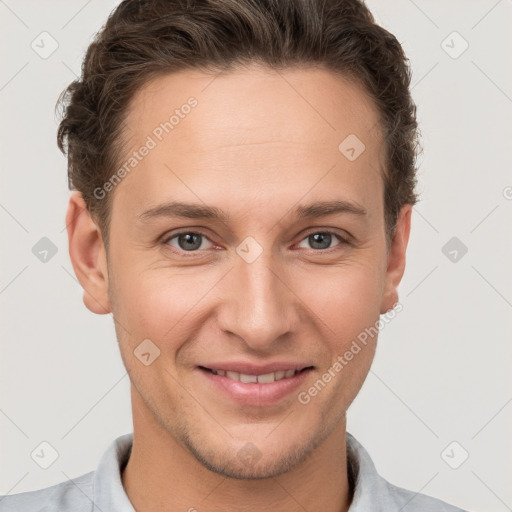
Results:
x,y
262,285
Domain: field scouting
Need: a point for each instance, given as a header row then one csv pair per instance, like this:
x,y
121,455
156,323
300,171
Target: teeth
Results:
x,y
248,378
267,378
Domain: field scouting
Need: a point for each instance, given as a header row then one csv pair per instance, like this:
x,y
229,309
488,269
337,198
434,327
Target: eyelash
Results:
x,y
342,240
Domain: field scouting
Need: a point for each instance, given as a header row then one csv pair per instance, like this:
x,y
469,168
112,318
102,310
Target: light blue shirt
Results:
x,y
102,490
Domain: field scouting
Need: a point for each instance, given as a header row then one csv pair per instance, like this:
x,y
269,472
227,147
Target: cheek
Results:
x,y
348,309
346,299
159,303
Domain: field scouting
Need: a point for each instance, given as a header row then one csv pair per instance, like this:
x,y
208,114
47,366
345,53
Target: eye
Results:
x,y
188,241
321,240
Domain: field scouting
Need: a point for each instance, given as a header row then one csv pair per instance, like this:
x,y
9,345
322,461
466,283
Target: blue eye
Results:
x,y
321,240
188,241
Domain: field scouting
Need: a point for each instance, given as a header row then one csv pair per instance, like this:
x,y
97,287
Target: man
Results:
x,y
243,178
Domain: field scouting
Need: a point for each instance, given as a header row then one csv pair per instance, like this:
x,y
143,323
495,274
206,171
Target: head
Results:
x,y
251,113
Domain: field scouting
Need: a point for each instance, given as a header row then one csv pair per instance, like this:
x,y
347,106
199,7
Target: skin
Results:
x,y
255,148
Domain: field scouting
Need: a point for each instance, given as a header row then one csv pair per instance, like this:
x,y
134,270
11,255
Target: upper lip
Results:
x,y
255,369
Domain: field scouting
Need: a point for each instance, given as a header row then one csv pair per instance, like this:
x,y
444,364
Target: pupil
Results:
x,y
319,238
189,239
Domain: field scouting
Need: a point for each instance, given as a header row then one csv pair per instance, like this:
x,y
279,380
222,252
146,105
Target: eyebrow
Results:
x,y
322,208
198,211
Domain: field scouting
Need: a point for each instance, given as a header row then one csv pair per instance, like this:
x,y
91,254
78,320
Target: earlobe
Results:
x,y
396,259
88,255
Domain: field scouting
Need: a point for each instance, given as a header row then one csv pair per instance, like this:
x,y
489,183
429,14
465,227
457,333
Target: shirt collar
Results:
x,y
369,487
109,493
110,496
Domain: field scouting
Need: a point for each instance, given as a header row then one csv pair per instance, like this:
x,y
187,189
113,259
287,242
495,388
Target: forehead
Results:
x,y
252,128
242,105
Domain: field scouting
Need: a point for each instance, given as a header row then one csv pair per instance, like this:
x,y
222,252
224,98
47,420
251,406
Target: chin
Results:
x,y
248,463
260,459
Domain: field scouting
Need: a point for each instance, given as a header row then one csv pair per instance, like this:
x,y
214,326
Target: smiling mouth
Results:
x,y
266,378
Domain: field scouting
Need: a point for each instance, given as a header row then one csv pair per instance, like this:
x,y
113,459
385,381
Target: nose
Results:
x,y
258,304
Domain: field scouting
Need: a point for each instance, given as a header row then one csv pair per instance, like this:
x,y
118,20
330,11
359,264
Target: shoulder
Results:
x,y
72,495
375,493
410,501
98,490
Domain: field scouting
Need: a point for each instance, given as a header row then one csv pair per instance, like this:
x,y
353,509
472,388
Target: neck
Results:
x,y
163,475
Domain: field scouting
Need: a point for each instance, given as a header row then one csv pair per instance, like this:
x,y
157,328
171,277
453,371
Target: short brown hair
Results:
x,y
144,39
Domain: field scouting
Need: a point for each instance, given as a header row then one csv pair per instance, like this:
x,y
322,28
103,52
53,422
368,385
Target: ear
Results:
x,y
396,259
88,255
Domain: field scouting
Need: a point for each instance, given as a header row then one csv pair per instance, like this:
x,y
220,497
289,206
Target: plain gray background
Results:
x,y
442,368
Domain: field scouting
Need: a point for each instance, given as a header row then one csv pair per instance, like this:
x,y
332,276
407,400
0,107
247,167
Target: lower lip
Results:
x,y
256,394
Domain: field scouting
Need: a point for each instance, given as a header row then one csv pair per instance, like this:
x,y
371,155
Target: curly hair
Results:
x,y
144,39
